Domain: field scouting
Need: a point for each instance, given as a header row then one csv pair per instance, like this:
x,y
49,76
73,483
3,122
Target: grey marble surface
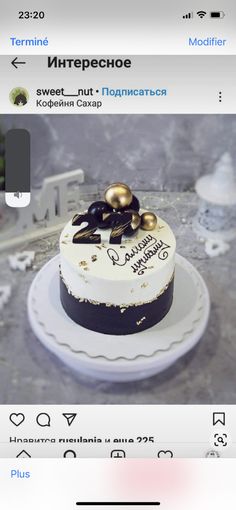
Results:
x,y
159,152
31,375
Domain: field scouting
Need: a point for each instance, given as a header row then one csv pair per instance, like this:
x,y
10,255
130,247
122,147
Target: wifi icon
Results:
x,y
201,14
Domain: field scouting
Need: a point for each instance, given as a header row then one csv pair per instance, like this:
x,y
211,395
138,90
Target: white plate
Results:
x,y
120,358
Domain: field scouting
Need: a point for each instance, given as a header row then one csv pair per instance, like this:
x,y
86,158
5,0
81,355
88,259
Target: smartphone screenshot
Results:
x,y
117,255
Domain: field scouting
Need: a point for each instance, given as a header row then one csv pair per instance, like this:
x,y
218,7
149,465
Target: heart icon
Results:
x,y
165,454
17,418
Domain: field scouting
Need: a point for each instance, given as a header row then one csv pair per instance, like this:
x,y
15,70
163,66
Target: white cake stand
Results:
x,y
120,358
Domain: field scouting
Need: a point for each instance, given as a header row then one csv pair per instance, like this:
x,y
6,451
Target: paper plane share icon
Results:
x,y
69,417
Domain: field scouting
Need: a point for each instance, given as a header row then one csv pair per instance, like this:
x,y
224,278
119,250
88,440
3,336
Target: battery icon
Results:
x,y
217,14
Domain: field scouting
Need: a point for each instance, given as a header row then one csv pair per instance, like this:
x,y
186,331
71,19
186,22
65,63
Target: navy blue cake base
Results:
x,y
112,319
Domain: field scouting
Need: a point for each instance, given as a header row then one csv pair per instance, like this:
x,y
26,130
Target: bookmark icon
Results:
x,y
219,417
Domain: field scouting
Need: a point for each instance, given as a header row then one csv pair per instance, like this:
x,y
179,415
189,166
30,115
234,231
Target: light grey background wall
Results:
x,y
159,152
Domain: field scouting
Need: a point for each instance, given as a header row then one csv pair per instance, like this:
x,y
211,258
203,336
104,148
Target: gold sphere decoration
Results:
x,y
148,221
118,195
136,219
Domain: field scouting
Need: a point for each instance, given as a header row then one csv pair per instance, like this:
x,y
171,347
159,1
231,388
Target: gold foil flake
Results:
x,y
94,258
144,285
140,321
83,263
122,310
92,302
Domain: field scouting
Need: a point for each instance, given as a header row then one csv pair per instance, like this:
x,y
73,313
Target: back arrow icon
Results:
x,y
15,63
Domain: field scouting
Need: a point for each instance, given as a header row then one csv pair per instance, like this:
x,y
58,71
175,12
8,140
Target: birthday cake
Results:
x,y
117,265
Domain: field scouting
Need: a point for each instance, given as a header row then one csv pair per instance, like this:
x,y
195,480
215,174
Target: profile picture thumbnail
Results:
x,y
19,96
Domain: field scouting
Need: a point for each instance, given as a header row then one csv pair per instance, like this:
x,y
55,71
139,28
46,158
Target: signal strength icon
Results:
x,y
201,14
188,16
